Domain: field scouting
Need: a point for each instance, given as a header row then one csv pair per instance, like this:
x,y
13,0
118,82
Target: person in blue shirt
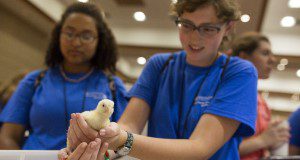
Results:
x,y
81,60
8,89
294,119
199,102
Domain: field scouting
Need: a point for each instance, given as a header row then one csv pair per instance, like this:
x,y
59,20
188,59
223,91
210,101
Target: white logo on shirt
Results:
x,y
204,101
96,95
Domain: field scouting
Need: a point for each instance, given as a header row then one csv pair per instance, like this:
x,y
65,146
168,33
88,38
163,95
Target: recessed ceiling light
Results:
x,y
245,18
284,61
139,16
281,67
294,3
298,73
174,1
83,1
288,21
141,60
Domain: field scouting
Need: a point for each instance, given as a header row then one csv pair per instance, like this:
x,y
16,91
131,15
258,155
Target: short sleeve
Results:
x,y
236,99
295,128
121,98
146,85
18,107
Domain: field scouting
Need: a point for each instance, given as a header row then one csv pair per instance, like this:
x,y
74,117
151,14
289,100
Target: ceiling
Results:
x,y
276,10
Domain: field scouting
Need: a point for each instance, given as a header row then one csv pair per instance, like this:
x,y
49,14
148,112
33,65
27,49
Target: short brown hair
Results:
x,y
247,43
227,10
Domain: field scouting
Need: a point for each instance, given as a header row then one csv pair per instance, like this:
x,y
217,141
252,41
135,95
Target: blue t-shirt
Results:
x,y
294,121
175,115
43,111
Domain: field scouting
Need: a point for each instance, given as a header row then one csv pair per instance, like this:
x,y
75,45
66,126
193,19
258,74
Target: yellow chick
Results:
x,y
99,118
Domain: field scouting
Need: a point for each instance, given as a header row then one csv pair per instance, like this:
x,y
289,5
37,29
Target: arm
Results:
x,y
11,136
252,144
211,133
130,120
15,116
273,136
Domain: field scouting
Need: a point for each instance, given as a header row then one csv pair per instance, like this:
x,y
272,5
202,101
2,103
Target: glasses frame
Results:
x,y
79,35
199,28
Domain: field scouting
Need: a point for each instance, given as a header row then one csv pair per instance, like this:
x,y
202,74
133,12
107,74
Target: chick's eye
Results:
x,y
103,105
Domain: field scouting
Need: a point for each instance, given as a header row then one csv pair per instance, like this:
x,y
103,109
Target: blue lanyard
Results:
x,y
196,94
190,106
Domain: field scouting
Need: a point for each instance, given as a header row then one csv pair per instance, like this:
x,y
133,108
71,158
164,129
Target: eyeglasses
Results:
x,y
85,37
206,31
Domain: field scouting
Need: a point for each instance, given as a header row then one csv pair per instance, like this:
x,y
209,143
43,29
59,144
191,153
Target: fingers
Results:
x,y
72,137
87,130
90,150
284,135
97,148
103,149
78,151
109,131
62,154
70,143
78,131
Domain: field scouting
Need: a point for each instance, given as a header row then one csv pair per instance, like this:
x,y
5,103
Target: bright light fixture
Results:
x,y
245,18
174,1
294,3
83,1
298,73
139,16
141,60
284,61
288,21
281,67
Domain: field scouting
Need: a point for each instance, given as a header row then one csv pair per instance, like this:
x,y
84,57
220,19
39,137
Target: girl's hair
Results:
x,y
247,42
227,10
106,54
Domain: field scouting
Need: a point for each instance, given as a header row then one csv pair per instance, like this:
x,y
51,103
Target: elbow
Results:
x,y
202,152
7,143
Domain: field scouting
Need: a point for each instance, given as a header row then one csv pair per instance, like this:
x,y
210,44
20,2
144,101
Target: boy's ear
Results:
x,y
229,27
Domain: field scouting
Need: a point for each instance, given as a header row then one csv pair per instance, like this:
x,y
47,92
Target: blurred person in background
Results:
x,y
294,121
8,89
199,102
81,60
256,48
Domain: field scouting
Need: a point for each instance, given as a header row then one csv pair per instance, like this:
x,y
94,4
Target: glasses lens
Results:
x,y
208,31
68,35
87,38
